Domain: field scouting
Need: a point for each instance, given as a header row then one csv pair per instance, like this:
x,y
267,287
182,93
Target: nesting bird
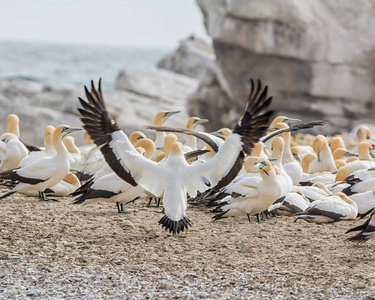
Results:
x,y
251,195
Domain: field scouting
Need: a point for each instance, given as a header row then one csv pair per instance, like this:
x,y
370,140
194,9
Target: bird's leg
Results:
x,y
120,208
149,202
249,218
157,200
259,218
43,197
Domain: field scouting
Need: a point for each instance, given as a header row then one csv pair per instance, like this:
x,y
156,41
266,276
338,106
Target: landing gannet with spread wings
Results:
x,y
175,177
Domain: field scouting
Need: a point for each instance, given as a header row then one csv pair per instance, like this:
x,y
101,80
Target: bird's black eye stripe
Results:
x,y
165,114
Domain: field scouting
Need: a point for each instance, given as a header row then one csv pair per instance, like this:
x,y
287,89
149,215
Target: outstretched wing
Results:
x,y
118,152
225,165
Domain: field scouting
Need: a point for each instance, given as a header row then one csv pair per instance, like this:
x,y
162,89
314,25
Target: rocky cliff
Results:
x,y
316,56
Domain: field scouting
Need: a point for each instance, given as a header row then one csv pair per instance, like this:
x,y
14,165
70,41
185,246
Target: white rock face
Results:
x,y
316,56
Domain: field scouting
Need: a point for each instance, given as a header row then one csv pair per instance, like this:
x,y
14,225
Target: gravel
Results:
x,y
58,250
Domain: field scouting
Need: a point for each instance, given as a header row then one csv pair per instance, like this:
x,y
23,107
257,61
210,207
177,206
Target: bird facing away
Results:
x,y
174,177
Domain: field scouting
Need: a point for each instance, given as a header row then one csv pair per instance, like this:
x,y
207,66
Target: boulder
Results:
x,y
316,56
193,58
162,85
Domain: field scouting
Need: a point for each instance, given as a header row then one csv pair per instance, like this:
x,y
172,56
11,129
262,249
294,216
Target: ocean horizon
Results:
x,y
72,65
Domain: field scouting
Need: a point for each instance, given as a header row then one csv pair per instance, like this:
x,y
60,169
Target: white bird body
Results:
x,y
324,177
74,153
304,149
313,193
48,151
64,188
330,209
294,170
290,204
110,188
90,163
364,162
365,201
360,187
290,165
277,153
12,151
252,195
45,172
324,161
363,174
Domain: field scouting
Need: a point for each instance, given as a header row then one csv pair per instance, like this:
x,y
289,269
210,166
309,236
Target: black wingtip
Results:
x,y
359,238
220,215
175,227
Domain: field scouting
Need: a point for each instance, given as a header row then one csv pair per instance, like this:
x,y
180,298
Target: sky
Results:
x,y
138,23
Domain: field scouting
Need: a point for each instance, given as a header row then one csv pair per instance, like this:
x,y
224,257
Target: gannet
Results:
x,y
364,161
277,154
251,195
94,164
324,161
13,127
290,204
363,134
113,189
211,195
175,177
191,141
48,151
290,165
316,191
336,142
159,120
65,187
104,167
283,119
367,230
359,187
330,209
45,172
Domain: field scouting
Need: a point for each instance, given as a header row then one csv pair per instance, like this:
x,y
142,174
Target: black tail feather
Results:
x,y
175,227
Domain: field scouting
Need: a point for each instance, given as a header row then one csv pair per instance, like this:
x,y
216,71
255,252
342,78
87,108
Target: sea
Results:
x,y
70,65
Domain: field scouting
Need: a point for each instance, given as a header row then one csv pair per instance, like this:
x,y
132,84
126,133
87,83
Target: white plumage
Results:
x,y
330,209
45,172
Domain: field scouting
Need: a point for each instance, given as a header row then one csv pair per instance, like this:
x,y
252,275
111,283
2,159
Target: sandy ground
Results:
x,y
57,250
